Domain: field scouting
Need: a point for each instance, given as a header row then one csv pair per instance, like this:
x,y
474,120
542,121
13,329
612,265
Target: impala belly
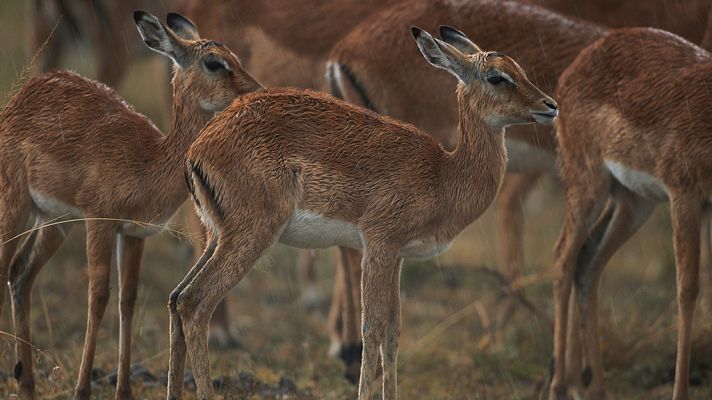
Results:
x,y
639,182
310,230
54,208
423,248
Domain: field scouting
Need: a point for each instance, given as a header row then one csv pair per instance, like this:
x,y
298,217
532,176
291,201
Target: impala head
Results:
x,y
490,83
205,68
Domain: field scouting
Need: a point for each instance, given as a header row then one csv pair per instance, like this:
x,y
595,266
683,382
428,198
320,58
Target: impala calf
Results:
x,y
635,130
366,68
72,148
308,170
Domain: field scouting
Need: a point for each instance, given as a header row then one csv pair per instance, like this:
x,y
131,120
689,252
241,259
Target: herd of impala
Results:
x,y
264,164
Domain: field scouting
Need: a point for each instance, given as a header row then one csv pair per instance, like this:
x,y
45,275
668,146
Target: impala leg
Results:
x,y
129,251
389,348
686,213
335,320
236,252
100,241
112,52
706,255
14,212
43,21
574,364
178,350
219,333
39,247
580,216
376,296
515,189
631,211
351,310
307,277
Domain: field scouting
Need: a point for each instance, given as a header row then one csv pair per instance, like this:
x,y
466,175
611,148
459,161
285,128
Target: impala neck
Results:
x,y
476,167
188,118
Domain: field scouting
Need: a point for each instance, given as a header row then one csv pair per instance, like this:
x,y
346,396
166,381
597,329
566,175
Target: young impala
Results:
x,y
72,148
366,68
635,130
311,171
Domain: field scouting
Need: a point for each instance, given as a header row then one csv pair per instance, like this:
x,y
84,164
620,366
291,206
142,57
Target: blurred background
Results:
x,y
448,302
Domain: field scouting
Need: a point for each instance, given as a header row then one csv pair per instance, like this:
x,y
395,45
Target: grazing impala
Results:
x,y
311,171
54,24
366,68
687,18
635,130
71,147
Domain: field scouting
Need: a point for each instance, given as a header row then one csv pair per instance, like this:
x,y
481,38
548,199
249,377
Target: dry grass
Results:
x,y
446,304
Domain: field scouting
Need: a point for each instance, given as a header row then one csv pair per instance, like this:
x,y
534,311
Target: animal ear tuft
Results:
x,y
458,39
441,54
182,26
160,39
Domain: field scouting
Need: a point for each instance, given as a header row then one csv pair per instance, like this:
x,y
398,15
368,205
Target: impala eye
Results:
x,y
213,66
496,79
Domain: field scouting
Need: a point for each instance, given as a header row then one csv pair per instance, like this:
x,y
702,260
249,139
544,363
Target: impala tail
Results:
x,y
207,201
344,84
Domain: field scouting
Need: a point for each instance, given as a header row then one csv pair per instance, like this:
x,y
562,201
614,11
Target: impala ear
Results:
x,y
458,39
182,26
161,39
442,55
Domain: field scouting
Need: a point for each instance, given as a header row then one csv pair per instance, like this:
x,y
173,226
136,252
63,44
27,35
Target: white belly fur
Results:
x,y
54,208
310,230
641,183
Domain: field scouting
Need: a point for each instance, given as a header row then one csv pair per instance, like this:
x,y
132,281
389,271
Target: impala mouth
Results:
x,y
544,117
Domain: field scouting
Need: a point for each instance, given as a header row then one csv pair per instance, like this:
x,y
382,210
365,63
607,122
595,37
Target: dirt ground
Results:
x,y
448,304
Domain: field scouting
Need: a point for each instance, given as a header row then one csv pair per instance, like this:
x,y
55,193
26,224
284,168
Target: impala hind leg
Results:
x,y
129,251
14,212
630,212
219,333
686,212
234,256
351,312
514,191
311,295
242,240
100,242
377,272
389,348
178,350
335,320
583,205
39,247
575,377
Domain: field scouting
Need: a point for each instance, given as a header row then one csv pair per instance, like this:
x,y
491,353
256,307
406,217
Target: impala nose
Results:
x,y
551,105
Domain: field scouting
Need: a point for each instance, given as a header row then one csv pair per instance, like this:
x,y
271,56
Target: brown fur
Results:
x,y
637,97
76,141
279,151
309,28
283,42
106,24
545,43
687,18
286,45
